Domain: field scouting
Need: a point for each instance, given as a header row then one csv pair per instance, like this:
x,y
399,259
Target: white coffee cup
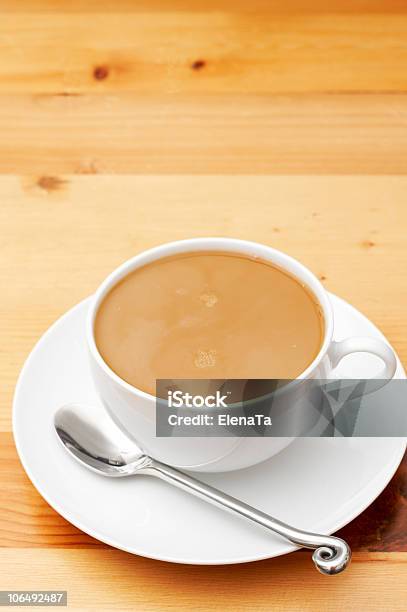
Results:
x,y
134,410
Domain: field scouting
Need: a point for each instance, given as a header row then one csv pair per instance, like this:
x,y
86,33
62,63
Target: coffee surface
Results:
x,y
208,315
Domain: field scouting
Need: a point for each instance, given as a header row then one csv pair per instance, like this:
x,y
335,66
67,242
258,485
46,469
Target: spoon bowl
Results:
x,y
96,441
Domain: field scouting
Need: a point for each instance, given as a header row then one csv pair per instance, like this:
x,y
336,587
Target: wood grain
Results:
x,y
180,51
65,233
129,133
198,6
120,581
126,124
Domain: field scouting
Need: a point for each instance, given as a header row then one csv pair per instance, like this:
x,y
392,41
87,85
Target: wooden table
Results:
x,y
125,124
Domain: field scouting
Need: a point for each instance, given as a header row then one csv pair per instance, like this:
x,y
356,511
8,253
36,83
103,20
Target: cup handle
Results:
x,y
379,348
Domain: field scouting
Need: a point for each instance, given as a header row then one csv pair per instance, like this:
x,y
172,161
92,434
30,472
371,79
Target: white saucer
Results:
x,y
317,484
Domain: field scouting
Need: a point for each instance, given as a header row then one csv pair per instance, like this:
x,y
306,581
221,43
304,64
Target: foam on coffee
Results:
x,y
208,315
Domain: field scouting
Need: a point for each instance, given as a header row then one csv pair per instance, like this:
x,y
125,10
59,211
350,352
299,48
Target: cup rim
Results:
x,y
244,247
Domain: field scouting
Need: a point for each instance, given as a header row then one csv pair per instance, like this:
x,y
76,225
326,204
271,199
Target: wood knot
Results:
x,y
100,73
368,244
50,183
67,94
198,64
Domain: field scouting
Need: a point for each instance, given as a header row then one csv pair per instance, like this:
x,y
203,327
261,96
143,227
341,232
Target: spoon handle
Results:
x,y
331,555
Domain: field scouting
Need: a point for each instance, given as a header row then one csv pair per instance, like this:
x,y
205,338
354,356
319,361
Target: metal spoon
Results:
x,y
97,443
